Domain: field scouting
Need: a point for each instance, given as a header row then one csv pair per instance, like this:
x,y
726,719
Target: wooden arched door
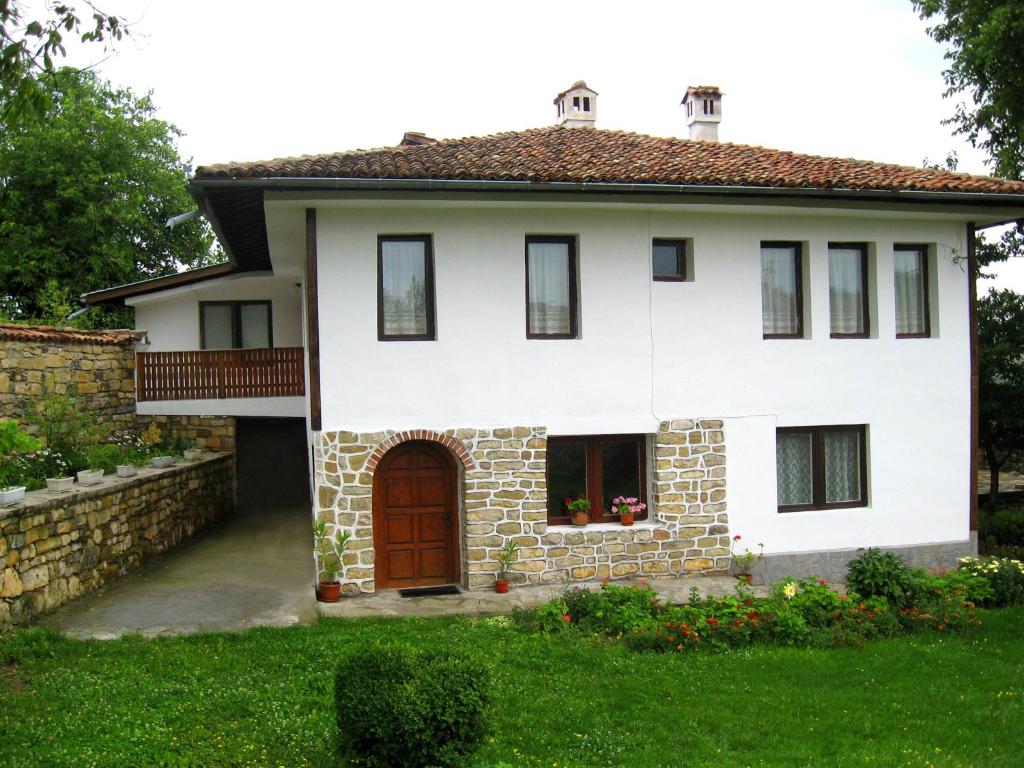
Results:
x,y
415,517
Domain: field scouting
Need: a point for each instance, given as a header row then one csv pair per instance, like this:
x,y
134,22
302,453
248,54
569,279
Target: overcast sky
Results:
x,y
254,80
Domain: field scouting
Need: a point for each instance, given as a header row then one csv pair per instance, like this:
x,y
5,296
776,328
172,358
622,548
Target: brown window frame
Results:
x,y
680,245
818,468
236,320
595,475
569,240
925,278
428,277
864,287
798,253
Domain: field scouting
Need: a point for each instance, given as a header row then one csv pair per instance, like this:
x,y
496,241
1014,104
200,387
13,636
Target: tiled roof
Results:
x,y
51,334
561,154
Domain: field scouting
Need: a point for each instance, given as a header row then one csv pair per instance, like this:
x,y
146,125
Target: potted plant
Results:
x,y
331,551
508,554
59,484
90,476
127,470
627,507
579,510
743,562
11,494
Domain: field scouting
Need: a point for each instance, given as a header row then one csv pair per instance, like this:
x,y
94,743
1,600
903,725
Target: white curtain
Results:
x,y
793,467
846,290
910,288
779,310
255,326
217,326
405,293
842,466
548,264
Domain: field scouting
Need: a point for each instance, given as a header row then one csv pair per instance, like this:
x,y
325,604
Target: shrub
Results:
x,y
611,610
1004,575
399,707
552,616
14,439
882,574
1004,526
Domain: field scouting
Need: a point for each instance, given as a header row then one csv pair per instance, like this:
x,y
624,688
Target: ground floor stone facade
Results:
x,y
503,496
211,433
54,548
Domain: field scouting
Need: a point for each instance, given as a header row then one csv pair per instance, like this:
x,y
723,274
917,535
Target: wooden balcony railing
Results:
x,y
221,373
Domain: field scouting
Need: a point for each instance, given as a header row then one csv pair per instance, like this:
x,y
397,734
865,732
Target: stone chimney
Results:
x,y
703,105
576,106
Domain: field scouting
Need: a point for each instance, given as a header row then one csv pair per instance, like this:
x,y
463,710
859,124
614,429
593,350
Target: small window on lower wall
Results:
x,y
668,260
598,468
821,467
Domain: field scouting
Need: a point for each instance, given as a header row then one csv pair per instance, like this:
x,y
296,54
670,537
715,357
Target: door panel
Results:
x,y
415,517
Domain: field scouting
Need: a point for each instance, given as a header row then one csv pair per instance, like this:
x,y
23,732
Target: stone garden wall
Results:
x,y
213,433
101,364
55,548
504,496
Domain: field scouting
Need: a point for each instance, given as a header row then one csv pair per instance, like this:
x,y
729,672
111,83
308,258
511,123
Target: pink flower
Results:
x,y
566,617
823,582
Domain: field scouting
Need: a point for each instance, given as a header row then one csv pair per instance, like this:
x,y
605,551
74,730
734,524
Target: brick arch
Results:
x,y
429,435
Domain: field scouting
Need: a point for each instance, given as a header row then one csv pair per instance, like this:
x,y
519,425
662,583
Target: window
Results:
x,y
405,288
912,310
782,310
551,288
668,258
821,467
848,290
586,103
235,325
598,468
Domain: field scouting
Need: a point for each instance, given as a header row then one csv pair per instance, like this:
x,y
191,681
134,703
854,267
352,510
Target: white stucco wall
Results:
x,y
172,317
652,351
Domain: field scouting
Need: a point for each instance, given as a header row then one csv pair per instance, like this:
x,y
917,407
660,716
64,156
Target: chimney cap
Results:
x,y
579,85
701,90
415,138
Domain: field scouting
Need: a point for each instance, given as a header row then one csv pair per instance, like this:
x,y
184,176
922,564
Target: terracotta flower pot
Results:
x,y
626,518
500,586
329,591
745,577
580,518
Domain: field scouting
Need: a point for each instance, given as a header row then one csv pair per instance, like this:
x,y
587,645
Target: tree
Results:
x,y
84,196
986,63
1001,380
29,48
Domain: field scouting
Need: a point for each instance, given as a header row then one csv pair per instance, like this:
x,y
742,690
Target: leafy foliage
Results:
x,y
398,707
84,197
1004,575
1003,526
881,574
29,49
986,64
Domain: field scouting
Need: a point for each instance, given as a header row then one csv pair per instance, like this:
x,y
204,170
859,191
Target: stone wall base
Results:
x,y
211,433
831,564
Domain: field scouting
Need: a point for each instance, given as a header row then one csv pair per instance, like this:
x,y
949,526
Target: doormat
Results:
x,y
428,591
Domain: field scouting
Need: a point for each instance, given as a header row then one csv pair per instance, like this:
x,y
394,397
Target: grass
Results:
x,y
264,698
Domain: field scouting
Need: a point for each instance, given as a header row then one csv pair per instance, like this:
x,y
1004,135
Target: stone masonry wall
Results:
x,y
213,433
103,373
55,548
504,496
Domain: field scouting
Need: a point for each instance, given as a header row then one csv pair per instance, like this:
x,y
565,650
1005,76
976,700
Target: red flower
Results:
x,y
566,617
823,582
712,621
737,537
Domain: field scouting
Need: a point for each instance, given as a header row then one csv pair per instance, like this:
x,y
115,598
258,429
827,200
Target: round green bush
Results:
x,y
404,708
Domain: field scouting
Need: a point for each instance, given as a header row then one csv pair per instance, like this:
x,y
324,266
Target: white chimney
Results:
x,y
703,105
576,106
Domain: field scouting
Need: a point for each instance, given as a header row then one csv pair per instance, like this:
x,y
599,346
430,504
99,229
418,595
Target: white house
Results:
x,y
753,342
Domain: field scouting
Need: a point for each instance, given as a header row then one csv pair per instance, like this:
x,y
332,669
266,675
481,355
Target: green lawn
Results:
x,y
264,698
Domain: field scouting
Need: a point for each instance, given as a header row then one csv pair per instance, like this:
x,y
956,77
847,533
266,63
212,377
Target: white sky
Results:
x,y
255,80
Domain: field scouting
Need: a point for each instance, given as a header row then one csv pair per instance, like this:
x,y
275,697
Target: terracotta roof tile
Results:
x,y
51,334
561,154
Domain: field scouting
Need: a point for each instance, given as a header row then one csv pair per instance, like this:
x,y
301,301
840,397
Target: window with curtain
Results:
x,y
848,289
598,468
910,263
405,288
235,325
821,467
781,291
551,287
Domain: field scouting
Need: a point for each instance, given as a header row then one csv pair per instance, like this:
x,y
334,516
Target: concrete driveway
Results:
x,y
253,569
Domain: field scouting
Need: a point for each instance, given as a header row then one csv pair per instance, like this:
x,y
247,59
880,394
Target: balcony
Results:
x,y
220,374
